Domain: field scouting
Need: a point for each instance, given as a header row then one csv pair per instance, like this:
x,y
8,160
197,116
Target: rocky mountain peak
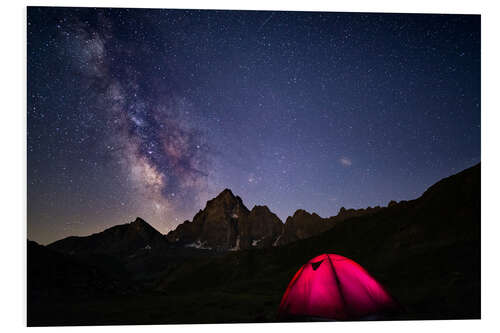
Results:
x,y
140,225
138,222
392,203
260,228
214,227
226,193
299,213
260,210
302,225
226,200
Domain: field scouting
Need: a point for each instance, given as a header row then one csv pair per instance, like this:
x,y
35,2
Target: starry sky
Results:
x,y
150,113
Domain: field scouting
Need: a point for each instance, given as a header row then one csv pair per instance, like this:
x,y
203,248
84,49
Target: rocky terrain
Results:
x,y
215,227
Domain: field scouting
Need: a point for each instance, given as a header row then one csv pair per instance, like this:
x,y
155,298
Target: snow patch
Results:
x,y
255,242
199,245
237,246
275,243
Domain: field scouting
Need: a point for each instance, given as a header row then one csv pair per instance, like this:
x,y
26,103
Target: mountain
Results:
x,y
215,227
226,224
260,228
302,225
121,240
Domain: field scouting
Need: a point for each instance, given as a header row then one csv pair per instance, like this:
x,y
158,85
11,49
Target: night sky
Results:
x,y
151,113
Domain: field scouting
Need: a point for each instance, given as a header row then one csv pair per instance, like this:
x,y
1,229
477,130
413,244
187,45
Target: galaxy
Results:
x,y
152,112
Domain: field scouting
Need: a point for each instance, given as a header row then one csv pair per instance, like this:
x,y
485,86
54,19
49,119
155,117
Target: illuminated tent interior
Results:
x,y
331,286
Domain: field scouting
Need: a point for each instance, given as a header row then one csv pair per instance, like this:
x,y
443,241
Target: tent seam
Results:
x,y
339,286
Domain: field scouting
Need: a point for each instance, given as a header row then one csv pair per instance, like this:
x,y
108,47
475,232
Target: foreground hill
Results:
x,y
124,239
426,252
55,275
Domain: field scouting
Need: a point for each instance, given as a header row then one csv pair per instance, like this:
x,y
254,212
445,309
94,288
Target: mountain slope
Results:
x,y
57,275
124,239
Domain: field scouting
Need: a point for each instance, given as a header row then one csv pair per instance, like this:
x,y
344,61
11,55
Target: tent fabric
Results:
x,y
335,287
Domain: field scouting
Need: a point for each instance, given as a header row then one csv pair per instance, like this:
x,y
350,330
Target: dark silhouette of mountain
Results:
x,y
426,252
303,225
124,239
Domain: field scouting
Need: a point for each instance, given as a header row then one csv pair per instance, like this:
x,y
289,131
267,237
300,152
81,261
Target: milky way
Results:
x,y
152,112
148,128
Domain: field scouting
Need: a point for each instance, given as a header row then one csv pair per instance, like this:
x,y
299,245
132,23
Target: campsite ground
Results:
x,y
186,308
426,287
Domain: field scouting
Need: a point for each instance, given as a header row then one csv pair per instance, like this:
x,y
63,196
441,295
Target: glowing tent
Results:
x,y
334,287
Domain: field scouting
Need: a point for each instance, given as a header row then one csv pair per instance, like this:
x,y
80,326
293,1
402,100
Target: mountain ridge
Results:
x,y
121,239
225,224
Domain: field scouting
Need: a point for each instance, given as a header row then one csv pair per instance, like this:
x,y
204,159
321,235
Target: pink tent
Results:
x,y
334,287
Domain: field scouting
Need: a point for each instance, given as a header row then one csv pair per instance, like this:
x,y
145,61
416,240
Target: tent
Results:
x,y
330,286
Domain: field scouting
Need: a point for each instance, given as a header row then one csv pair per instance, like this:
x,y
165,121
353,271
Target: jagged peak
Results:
x,y
226,193
298,213
343,210
139,221
226,197
261,208
301,212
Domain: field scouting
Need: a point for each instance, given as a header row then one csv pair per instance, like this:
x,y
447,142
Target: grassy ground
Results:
x,y
208,307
